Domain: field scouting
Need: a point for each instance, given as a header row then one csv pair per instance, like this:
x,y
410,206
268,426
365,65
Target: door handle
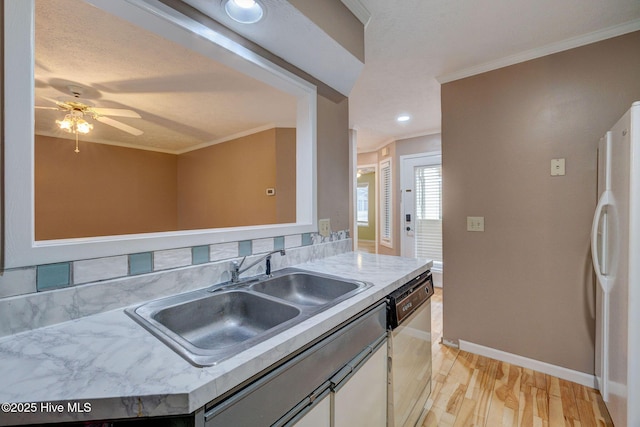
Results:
x,y
605,200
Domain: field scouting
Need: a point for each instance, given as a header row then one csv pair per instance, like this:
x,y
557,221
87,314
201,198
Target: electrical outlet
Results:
x,y
324,227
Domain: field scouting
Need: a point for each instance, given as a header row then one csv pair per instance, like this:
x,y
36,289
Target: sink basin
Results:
x,y
206,328
221,320
209,325
306,289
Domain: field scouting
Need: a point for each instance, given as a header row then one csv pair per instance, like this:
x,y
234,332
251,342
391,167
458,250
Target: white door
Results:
x,y
421,212
600,263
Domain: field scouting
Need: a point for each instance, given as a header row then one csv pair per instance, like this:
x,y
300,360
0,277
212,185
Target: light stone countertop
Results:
x,y
110,362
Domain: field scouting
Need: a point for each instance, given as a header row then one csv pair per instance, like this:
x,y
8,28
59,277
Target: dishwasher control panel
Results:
x,y
408,297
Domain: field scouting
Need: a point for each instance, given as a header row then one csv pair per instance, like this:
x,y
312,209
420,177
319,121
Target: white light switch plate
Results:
x,y
324,227
475,223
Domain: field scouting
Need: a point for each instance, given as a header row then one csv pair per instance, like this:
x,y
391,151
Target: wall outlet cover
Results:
x,y
557,167
324,227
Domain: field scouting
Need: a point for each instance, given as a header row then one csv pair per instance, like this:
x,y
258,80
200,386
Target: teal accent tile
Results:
x,y
306,239
245,248
278,243
52,276
140,263
200,254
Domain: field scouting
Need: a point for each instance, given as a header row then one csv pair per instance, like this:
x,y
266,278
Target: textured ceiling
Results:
x,y
411,45
184,99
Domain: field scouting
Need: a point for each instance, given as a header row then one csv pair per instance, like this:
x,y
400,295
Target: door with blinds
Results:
x,y
421,207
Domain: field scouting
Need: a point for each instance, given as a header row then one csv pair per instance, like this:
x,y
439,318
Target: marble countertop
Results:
x,y
106,366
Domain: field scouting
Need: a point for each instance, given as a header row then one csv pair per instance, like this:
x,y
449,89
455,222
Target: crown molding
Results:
x,y
549,49
358,9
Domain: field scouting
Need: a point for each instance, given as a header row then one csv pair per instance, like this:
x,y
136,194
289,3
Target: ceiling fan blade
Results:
x,y
117,112
119,125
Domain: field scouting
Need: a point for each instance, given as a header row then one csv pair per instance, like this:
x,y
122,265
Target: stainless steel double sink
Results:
x,y
209,325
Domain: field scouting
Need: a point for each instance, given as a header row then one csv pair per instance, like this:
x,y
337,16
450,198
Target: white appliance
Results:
x,y
615,248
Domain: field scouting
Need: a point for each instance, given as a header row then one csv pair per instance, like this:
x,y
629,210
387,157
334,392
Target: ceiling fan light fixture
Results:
x,y
74,123
244,11
82,126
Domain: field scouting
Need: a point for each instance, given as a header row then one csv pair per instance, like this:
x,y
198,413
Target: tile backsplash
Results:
x,y
41,295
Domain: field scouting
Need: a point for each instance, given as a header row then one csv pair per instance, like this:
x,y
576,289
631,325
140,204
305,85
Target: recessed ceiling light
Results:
x,y
403,118
244,11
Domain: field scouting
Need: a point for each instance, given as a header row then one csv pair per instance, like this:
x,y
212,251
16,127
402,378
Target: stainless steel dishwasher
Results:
x,y
409,349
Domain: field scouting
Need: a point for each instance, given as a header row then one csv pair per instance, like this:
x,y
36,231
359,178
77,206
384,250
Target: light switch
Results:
x,y
475,223
557,167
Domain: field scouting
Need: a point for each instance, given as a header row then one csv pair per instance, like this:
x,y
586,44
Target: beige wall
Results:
x,y
333,162
525,285
224,185
285,175
109,190
102,190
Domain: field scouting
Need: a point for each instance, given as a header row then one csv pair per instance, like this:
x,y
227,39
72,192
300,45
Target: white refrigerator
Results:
x,y
615,248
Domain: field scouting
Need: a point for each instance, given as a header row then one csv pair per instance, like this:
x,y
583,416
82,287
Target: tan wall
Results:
x,y
525,285
224,185
333,162
103,190
285,175
109,190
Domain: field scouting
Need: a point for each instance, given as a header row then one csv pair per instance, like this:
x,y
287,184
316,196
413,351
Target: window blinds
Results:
x,y
385,202
429,212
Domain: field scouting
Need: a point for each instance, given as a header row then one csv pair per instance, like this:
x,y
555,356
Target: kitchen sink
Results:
x,y
221,320
209,325
306,289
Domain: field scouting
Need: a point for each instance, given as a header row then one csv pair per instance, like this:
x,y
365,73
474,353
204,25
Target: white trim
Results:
x,y
21,249
58,134
359,10
544,367
570,43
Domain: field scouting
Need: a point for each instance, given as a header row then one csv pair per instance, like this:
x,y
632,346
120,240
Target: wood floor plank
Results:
x,y
475,405
504,404
471,390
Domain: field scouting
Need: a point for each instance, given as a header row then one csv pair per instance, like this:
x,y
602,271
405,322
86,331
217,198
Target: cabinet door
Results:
x,y
319,416
362,401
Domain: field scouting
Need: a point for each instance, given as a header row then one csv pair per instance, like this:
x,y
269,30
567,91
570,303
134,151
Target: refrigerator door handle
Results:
x,y
603,280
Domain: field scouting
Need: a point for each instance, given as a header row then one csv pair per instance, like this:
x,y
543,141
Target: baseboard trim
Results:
x,y
544,367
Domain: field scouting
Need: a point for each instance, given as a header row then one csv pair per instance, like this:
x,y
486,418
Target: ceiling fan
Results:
x,y
76,109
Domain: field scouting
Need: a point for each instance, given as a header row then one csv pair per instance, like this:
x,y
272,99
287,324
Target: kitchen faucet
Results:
x,y
236,272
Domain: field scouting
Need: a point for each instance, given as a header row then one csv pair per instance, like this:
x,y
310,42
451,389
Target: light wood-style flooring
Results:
x,y
472,390
367,246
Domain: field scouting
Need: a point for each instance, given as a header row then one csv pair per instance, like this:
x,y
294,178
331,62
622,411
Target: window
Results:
x,y
386,204
428,186
362,200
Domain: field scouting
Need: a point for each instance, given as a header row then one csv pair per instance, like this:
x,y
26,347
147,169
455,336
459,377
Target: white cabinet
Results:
x,y
362,399
319,416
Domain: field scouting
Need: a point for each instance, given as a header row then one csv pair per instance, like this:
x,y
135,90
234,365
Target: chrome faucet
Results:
x,y
236,272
